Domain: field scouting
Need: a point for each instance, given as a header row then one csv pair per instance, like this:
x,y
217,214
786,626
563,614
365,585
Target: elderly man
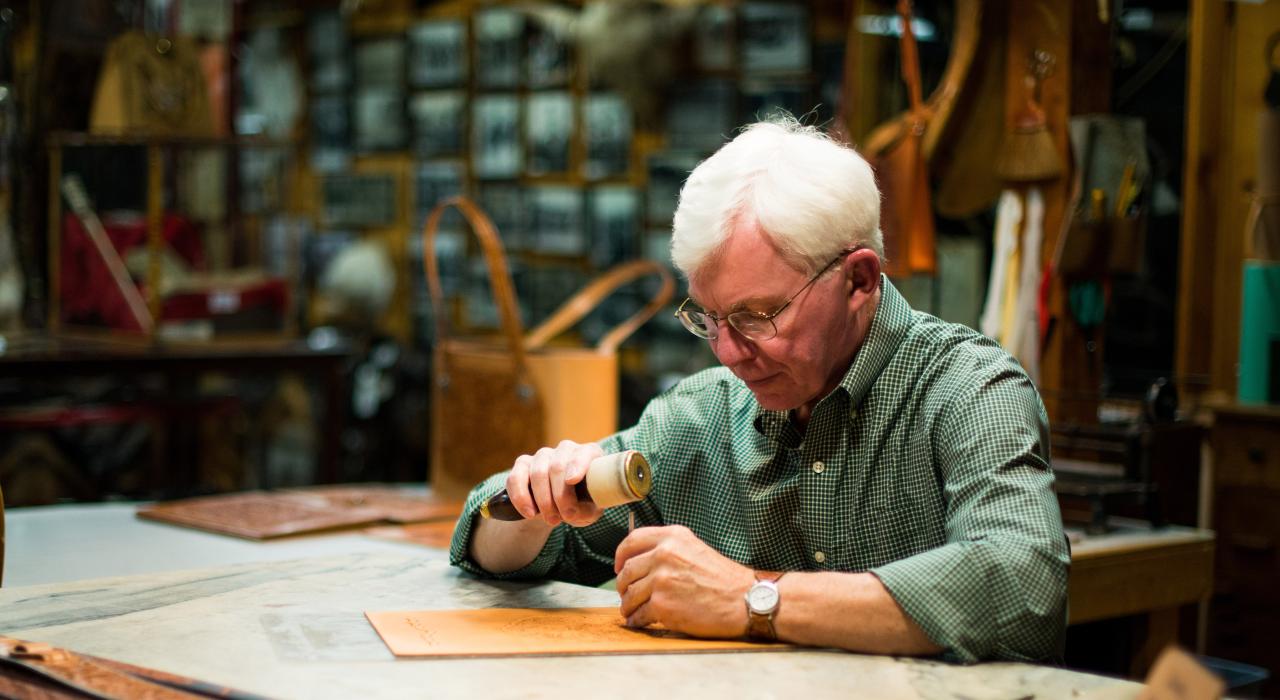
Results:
x,y
857,474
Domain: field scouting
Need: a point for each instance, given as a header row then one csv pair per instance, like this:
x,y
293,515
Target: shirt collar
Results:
x,y
889,327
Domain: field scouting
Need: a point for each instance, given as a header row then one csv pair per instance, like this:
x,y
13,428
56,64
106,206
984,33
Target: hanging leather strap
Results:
x,y
590,296
499,279
911,64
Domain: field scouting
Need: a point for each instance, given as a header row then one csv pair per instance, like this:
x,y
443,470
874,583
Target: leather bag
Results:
x,y
494,399
151,85
906,216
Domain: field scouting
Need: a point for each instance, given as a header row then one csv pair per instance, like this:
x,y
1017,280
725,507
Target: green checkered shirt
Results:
x,y
928,466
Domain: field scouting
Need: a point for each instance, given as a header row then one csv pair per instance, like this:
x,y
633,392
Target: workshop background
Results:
x,y
212,232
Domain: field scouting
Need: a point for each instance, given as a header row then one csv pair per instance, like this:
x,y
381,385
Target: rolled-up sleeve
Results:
x,y
998,588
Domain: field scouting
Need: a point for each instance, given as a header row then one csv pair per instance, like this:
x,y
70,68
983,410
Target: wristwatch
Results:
x,y
762,604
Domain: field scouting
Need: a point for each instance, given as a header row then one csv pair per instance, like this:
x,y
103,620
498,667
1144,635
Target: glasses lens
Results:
x,y
752,325
698,323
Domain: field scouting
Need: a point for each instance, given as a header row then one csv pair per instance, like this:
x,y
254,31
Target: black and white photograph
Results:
x,y
439,123
555,213
701,115
358,200
438,54
478,307
547,63
379,119
614,216
607,120
495,136
543,289
380,63
433,182
775,37
499,39
330,132
548,131
667,172
330,50
713,38
504,203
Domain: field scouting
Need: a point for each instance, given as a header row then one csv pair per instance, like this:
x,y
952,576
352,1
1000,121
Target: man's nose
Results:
x,y
730,347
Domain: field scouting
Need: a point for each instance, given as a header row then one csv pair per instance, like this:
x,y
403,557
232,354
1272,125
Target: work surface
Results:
x,y
295,628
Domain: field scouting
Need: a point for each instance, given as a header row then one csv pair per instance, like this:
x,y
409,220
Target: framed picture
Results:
x,y
555,214
354,201
439,120
330,51
775,37
330,121
701,115
543,289
495,136
499,38
438,54
548,59
505,206
614,215
548,131
608,134
380,63
713,38
667,173
451,256
433,182
478,305
379,120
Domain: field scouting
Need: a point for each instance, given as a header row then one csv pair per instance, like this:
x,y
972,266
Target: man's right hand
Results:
x,y
541,485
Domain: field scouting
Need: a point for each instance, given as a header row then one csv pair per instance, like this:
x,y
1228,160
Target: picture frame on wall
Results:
x,y
438,54
330,51
499,41
358,200
549,131
614,217
775,37
439,123
495,136
434,182
555,213
547,59
667,172
330,133
701,115
763,99
379,120
380,63
713,38
504,203
607,119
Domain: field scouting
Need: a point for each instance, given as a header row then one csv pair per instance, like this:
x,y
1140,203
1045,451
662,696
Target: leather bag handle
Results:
x,y
911,63
590,296
499,278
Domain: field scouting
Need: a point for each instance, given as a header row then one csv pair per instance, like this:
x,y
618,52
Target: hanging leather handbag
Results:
x,y
906,216
151,85
494,399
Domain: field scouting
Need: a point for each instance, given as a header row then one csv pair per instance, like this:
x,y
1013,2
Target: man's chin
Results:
x,y
774,402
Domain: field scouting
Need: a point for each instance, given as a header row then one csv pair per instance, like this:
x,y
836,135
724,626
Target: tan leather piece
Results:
x,y
152,85
494,399
76,672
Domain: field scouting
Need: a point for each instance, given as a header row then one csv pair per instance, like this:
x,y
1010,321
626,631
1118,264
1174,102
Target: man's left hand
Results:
x,y
667,575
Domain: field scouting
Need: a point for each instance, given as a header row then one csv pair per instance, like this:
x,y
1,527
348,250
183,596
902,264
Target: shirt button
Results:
x,y
818,467
819,556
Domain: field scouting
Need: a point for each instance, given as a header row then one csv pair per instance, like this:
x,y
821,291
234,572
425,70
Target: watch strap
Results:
x,y
760,626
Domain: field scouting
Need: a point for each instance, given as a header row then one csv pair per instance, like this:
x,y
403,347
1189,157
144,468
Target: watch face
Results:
x,y
762,598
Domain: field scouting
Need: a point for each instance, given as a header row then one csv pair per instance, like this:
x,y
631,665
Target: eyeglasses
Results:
x,y
752,325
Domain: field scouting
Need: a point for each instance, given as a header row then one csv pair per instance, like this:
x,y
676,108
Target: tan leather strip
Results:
x,y
499,277
590,296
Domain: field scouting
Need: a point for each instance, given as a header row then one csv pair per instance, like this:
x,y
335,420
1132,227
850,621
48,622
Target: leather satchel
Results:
x,y
494,399
906,216
151,85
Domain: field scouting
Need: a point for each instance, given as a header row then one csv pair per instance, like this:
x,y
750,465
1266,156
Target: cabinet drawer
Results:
x,y
1247,521
1246,452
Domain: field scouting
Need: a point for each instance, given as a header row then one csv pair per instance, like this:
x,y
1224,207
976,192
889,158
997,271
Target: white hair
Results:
x,y
811,196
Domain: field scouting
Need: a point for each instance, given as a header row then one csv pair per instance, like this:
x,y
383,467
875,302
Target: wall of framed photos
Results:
x,y
573,127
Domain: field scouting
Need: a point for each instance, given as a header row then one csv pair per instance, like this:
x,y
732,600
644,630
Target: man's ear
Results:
x,y
862,269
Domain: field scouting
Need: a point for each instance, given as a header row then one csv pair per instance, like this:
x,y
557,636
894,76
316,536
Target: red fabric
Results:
x,y
88,292
216,301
